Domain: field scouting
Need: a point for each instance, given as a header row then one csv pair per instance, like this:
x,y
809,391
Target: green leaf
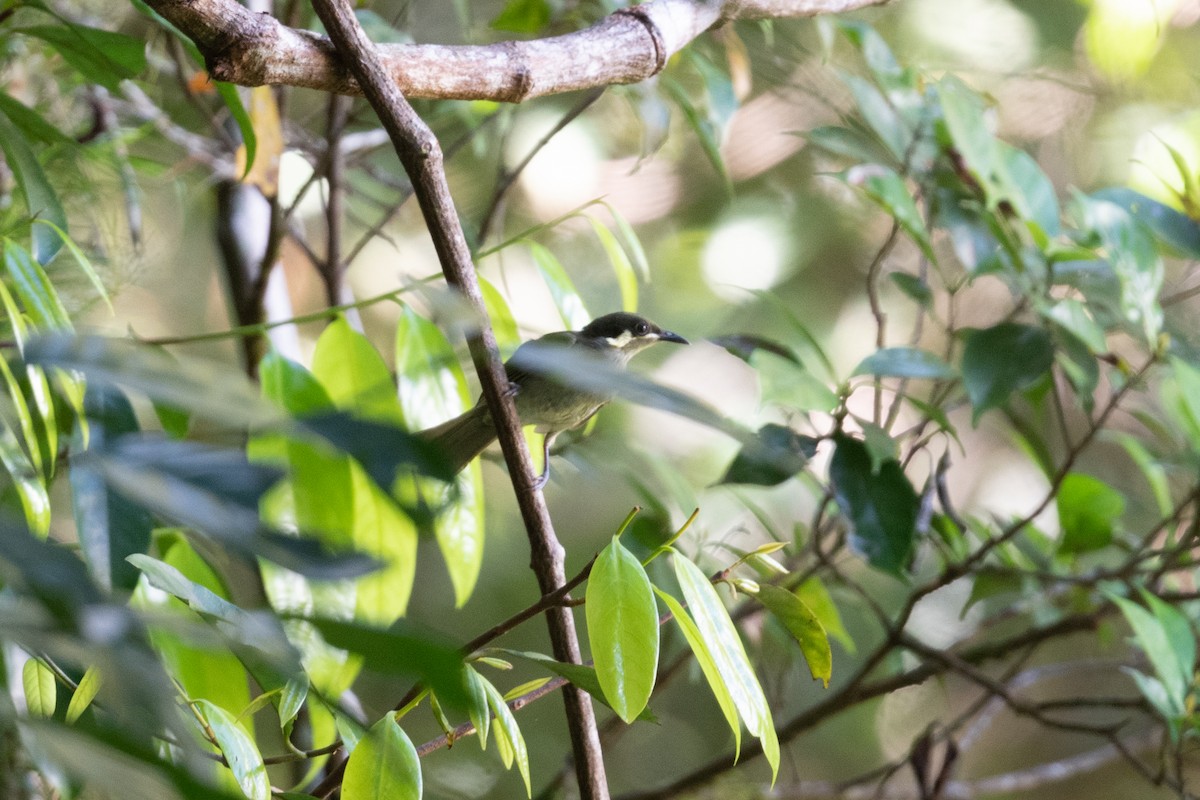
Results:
x,y
212,390
84,694
633,245
729,656
881,117
41,201
81,259
1180,635
228,93
239,750
1029,189
814,595
580,675
28,482
509,741
706,132
708,666
1130,249
621,265
523,16
963,111
1152,637
905,362
1003,359
41,692
402,649
889,191
101,56
1074,318
355,375
914,287
1154,473
38,296
1176,230
562,290
775,454
1088,510
432,389
850,142
384,765
504,325
803,624
477,706
622,622
109,526
881,505
31,123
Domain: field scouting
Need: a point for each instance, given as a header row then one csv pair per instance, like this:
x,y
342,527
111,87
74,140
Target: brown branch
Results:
x,y
626,47
423,161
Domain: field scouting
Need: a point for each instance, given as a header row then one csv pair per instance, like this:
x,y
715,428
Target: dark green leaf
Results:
x,y
881,117
775,454
914,287
905,362
237,109
1088,510
622,623
405,650
745,345
963,112
1003,359
881,505
101,56
110,528
851,143
41,201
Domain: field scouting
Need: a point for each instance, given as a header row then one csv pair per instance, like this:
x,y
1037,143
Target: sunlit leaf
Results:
x,y
432,389
562,289
383,766
707,664
85,693
355,375
620,263
729,656
41,691
239,750
622,623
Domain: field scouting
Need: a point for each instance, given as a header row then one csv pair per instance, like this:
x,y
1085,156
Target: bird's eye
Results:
x,y
641,329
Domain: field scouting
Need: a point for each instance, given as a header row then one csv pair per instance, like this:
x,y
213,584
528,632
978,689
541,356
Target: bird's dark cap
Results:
x,y
612,326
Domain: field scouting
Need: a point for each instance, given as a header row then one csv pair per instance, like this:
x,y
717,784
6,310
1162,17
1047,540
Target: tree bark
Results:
x,y
628,46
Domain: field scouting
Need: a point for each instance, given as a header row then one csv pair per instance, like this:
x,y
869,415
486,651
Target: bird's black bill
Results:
x,y
668,336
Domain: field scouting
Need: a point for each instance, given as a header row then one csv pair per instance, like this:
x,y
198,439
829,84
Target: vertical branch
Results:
x,y
335,162
422,158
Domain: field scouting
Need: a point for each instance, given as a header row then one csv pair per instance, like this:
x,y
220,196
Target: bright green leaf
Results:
x,y
383,766
509,741
355,375
1088,510
889,191
622,622
562,290
41,692
816,597
621,265
239,750
729,656
84,693
41,201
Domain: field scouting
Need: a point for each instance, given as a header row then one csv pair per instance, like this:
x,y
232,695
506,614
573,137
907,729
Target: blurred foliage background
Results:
x,y
746,229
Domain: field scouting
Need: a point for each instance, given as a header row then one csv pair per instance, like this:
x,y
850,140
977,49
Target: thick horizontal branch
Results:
x,y
626,47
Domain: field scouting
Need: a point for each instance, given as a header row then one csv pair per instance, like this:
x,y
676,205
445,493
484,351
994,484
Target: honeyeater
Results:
x,y
550,404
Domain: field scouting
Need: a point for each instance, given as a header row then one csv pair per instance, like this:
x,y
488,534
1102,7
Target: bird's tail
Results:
x,y
464,437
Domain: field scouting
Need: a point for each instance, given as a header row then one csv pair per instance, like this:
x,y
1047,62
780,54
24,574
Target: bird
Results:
x,y
549,404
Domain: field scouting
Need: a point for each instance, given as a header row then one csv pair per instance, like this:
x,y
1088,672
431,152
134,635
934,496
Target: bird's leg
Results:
x,y
544,478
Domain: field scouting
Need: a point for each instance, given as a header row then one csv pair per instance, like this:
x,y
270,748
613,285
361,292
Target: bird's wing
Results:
x,y
558,340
